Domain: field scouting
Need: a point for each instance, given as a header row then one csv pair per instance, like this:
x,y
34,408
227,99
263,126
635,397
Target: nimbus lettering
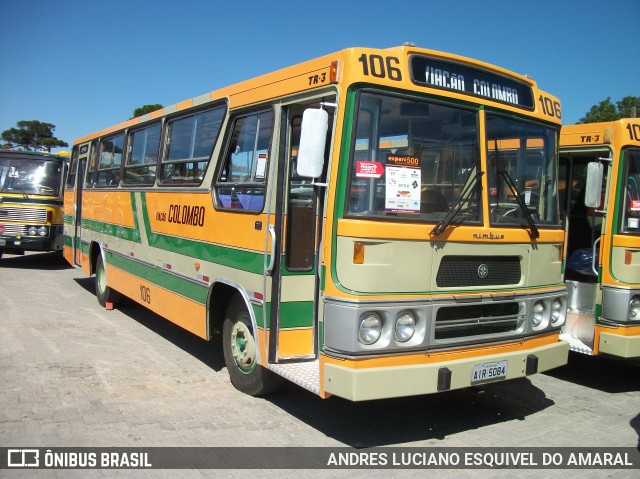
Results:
x,y
489,236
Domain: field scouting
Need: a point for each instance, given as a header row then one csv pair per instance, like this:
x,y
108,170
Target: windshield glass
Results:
x,y
30,177
521,170
630,200
412,160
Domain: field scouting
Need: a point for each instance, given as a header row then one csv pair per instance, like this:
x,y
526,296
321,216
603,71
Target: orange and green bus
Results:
x,y
600,193
369,224
31,189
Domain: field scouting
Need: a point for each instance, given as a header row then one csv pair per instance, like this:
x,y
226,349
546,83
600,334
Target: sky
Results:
x,y
84,65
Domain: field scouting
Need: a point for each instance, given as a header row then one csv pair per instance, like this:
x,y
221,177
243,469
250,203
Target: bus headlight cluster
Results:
x,y
370,328
634,308
41,231
548,313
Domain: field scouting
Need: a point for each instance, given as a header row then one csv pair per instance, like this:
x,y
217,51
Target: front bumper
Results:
x,y
621,345
397,381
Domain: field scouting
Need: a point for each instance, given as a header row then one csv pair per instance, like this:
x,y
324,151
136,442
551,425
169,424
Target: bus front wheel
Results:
x,y
240,353
103,292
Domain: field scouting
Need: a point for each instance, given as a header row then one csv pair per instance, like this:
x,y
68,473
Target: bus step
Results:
x,y
305,374
576,345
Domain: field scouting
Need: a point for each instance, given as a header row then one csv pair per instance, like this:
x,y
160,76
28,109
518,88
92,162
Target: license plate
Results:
x,y
489,371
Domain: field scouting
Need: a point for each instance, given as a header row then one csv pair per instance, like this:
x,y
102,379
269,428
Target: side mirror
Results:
x,y
593,189
312,141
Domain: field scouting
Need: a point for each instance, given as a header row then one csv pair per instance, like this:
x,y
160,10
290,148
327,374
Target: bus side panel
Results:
x,y
183,311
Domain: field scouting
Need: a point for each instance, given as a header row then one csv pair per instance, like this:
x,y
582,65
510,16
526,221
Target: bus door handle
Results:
x,y
593,258
272,260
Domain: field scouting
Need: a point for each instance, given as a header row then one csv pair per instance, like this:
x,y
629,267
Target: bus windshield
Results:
x,y
30,177
521,171
412,160
630,200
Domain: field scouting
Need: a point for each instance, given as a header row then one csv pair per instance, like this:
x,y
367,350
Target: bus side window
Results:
x,y
241,180
110,160
190,141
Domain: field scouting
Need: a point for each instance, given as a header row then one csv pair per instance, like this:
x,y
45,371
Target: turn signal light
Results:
x,y
358,252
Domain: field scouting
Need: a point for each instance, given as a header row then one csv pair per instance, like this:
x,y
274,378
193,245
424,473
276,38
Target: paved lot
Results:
x,y
74,374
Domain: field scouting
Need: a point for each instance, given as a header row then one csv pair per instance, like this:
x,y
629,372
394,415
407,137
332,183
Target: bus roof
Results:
x,y
296,78
602,133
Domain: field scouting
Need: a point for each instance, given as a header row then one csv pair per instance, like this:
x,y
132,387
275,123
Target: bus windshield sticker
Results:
x,y
452,76
403,177
369,169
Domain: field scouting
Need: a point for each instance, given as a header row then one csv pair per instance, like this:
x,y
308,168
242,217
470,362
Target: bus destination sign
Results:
x,y
452,76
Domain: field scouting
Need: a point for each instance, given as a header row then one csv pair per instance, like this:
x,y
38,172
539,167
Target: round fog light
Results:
x,y
370,328
32,231
405,327
42,231
538,311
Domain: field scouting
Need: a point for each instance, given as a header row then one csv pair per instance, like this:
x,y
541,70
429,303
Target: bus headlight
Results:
x,y
556,311
405,326
370,328
634,308
32,231
538,314
42,231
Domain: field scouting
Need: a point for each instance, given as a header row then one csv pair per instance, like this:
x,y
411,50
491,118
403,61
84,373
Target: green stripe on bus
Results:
x,y
117,231
296,314
157,276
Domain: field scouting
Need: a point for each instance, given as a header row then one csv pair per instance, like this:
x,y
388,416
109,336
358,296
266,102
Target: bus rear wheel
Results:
x,y
240,353
103,292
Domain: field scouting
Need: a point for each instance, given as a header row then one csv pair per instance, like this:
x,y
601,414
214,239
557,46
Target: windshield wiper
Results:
x,y
455,209
533,232
21,188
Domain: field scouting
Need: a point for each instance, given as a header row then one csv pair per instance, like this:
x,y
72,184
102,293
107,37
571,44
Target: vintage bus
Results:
x,y
600,195
368,224
31,189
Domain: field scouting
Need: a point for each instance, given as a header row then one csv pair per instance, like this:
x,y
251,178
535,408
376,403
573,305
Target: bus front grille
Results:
x,y
476,320
13,230
23,215
461,271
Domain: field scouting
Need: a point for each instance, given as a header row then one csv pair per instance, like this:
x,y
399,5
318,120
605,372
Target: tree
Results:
x,y
626,106
32,135
607,111
143,110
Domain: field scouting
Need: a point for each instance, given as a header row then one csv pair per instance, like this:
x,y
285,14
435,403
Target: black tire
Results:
x,y
239,347
103,292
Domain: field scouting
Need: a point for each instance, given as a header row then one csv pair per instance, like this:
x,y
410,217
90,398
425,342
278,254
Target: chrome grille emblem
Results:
x,y
483,271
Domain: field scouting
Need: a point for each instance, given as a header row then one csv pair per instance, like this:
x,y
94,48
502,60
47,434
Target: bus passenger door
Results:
x,y
77,220
293,326
584,247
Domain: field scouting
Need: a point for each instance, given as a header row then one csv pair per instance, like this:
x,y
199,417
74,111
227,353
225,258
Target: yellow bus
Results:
x,y
368,224
31,189
600,190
